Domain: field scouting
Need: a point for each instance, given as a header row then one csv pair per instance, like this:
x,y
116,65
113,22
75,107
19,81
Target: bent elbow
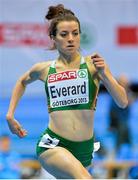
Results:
x,y
124,104
124,100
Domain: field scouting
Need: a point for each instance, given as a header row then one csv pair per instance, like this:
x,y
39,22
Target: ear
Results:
x,y
53,42
52,37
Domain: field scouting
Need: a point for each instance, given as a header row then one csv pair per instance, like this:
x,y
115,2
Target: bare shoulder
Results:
x,y
36,72
41,65
42,68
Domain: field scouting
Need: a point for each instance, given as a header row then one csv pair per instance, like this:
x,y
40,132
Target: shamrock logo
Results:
x,y
82,73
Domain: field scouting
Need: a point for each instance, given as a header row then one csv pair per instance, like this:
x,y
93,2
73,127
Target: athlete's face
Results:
x,y
67,38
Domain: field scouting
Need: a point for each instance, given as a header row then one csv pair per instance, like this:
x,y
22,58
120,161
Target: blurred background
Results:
x,y
109,27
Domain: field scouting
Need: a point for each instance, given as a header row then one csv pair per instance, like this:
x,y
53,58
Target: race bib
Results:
x,y
48,142
68,88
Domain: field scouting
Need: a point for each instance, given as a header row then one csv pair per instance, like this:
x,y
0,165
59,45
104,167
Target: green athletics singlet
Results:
x,y
70,89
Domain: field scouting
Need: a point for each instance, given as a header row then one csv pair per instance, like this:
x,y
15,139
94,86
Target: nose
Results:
x,y
70,38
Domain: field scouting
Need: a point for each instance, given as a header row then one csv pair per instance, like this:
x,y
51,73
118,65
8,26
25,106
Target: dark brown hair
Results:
x,y
57,14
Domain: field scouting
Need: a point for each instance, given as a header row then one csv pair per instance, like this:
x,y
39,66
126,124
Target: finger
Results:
x,y
95,55
97,59
95,63
22,132
18,132
99,64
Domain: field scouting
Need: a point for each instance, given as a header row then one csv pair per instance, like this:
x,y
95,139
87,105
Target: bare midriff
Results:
x,y
75,125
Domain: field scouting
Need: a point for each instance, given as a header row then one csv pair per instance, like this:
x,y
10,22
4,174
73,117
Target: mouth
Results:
x,y
70,46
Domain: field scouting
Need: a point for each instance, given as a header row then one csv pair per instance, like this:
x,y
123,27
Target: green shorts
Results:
x,y
82,150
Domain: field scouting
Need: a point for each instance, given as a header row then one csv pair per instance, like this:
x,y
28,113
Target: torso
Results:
x,y
76,125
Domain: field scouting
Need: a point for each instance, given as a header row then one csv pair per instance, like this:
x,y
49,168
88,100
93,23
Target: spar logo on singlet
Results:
x,y
68,88
67,75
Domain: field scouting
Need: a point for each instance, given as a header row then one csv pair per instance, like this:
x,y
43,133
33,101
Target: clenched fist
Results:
x,y
99,63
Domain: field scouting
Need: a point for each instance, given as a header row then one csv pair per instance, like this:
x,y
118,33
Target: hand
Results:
x,y
15,127
99,63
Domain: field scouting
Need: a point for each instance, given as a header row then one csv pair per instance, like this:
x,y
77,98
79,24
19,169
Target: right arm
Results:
x,y
32,75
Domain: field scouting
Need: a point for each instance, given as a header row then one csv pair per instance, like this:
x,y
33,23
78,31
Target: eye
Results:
x,y
75,33
63,34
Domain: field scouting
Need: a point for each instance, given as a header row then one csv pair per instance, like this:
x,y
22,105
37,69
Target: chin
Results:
x,y
71,52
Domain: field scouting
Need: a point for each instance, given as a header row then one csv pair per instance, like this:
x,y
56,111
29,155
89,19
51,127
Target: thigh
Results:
x,y
62,164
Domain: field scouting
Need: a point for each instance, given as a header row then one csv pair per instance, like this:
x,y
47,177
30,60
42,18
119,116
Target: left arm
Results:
x,y
114,88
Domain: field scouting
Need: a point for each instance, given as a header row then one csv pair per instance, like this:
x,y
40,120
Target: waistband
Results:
x,y
86,145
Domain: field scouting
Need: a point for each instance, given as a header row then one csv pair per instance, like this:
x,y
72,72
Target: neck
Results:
x,y
67,59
